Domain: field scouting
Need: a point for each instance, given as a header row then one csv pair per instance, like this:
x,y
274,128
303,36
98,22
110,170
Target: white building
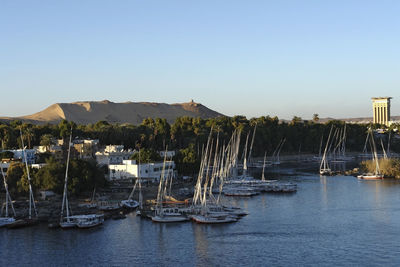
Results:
x,y
45,149
113,155
148,171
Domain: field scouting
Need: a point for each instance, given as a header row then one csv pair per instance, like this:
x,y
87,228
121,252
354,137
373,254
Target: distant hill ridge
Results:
x,y
86,112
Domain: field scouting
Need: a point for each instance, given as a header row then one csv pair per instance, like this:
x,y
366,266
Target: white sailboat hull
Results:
x,y
169,219
213,220
129,203
6,220
370,177
89,221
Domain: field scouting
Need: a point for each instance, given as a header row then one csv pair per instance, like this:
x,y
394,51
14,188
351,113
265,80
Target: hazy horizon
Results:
x,y
278,58
230,115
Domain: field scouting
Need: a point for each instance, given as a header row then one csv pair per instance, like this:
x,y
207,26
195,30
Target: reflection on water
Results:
x,y
201,243
330,221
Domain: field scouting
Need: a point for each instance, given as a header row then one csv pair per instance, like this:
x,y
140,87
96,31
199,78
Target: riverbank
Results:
x,y
389,167
49,210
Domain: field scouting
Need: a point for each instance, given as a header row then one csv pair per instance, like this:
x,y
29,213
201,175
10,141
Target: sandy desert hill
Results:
x,y
128,112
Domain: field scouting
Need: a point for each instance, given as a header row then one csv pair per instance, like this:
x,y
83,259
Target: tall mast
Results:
x,y
160,186
245,156
280,148
215,167
263,176
388,146
324,163
140,185
8,197
252,142
65,197
377,169
31,198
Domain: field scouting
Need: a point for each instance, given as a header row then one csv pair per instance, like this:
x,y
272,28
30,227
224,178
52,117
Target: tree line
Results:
x,y
188,135
158,133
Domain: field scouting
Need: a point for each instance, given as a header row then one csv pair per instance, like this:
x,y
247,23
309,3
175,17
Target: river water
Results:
x,y
329,221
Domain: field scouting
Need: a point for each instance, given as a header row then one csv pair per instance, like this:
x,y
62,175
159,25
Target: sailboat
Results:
x,y
30,220
166,215
377,175
70,221
275,155
131,203
92,204
250,161
246,159
324,165
7,219
210,211
263,169
67,221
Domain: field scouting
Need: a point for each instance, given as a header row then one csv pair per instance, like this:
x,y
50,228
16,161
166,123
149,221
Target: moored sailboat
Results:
x,y
67,221
377,175
131,203
324,168
163,214
29,221
71,221
7,219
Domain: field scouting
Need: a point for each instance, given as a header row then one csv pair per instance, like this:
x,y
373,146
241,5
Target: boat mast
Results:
x,y
31,198
215,169
8,197
388,146
252,142
262,176
221,173
205,186
324,164
280,148
245,156
383,149
140,185
65,197
197,189
136,182
344,141
377,169
160,186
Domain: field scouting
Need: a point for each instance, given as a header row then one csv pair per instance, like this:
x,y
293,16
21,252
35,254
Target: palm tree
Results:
x,y
46,141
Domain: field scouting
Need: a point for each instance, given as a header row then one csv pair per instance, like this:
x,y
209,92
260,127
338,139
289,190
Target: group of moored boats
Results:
x,y
251,187
325,170
12,221
220,178
67,220
217,174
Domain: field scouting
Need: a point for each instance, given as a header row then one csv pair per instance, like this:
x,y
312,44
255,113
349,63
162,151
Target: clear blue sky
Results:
x,y
252,58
